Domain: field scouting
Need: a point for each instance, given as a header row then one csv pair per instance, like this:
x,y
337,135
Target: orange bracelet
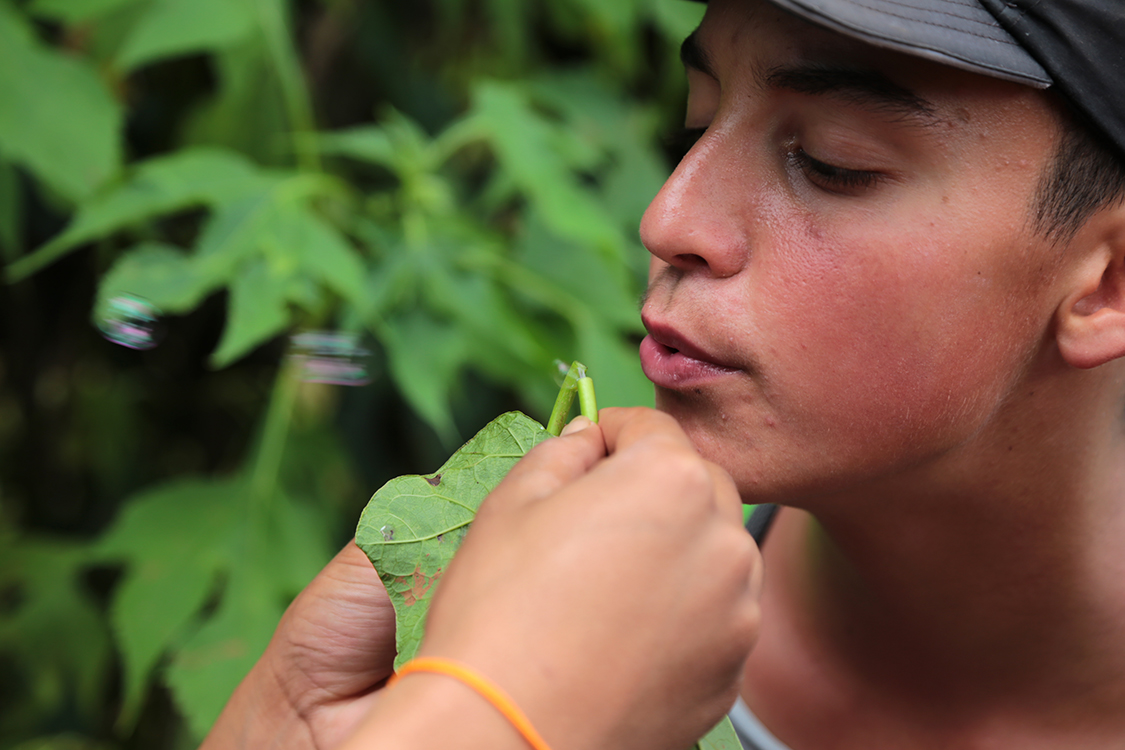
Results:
x,y
486,689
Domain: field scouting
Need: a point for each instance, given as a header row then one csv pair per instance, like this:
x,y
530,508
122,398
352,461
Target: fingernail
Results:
x,y
577,424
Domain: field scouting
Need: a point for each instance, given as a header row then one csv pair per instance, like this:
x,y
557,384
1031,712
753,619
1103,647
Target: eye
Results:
x,y
832,178
679,143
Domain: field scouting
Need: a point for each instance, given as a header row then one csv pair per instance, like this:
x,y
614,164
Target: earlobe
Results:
x,y
1091,321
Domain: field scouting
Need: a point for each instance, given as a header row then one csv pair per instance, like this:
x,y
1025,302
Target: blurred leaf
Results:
x,y
160,274
606,288
524,144
54,632
325,255
208,666
62,742
413,525
621,381
177,541
248,115
57,118
270,247
186,179
11,212
425,357
677,18
73,12
258,311
478,305
368,143
174,537
176,27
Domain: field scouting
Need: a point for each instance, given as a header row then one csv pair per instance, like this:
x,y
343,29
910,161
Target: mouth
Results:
x,y
672,361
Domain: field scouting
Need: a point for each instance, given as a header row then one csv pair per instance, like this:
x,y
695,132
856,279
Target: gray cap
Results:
x,y
1075,47
960,33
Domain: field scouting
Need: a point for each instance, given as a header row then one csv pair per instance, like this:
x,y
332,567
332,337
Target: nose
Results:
x,y
697,220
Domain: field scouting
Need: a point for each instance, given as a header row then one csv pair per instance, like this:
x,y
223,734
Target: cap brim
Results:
x,y
960,33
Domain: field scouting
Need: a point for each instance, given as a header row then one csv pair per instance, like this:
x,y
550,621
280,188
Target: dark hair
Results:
x,y
1085,174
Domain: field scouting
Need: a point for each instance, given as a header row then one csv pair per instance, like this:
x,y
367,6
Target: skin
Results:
x,y
933,388
533,601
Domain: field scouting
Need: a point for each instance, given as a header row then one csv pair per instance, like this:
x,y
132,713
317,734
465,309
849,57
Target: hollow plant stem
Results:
x,y
576,383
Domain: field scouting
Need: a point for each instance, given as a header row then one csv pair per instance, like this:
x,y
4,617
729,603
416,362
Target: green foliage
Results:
x,y
69,139
430,176
412,526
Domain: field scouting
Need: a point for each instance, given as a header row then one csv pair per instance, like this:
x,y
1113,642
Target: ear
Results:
x,y
1091,321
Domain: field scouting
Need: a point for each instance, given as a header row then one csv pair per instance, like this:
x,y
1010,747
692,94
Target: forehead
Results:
x,y
743,43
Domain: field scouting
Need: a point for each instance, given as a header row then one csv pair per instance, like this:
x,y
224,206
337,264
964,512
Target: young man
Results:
x,y
888,293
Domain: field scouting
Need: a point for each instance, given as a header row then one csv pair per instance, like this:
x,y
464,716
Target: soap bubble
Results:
x,y
331,357
131,321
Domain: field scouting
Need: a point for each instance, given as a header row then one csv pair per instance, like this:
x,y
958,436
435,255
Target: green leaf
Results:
x,y
582,273
177,541
52,633
676,18
186,179
478,304
57,117
722,737
160,274
325,254
207,668
173,538
367,143
426,355
74,12
412,526
526,145
177,27
258,311
11,211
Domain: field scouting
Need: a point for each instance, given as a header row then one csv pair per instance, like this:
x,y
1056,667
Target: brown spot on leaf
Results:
x,y
435,480
419,583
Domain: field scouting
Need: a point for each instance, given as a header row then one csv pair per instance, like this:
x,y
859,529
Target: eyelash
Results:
x,y
827,176
832,178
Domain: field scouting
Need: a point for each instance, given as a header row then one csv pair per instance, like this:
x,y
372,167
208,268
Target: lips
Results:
x,y
670,360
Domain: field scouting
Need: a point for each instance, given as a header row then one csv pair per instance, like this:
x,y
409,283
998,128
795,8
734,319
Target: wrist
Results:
x,y
432,711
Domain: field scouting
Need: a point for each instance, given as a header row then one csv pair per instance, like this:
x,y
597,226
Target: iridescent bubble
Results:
x,y
560,371
131,321
331,357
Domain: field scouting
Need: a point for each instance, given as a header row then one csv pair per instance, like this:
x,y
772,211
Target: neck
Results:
x,y
994,582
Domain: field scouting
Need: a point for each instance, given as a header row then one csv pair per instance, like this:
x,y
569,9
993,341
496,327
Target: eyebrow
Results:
x,y
694,56
866,88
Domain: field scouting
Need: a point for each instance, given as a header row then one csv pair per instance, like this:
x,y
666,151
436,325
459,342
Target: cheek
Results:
x,y
886,341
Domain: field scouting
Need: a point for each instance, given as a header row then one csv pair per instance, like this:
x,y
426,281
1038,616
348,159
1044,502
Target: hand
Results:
x,y
615,599
319,677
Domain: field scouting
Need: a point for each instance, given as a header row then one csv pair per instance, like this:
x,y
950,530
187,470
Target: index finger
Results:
x,y
547,468
622,427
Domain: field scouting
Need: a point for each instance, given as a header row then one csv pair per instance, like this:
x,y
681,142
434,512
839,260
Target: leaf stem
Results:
x,y
575,383
275,432
277,31
587,403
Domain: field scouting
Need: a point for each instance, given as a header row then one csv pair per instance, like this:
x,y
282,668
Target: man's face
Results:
x,y
845,285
